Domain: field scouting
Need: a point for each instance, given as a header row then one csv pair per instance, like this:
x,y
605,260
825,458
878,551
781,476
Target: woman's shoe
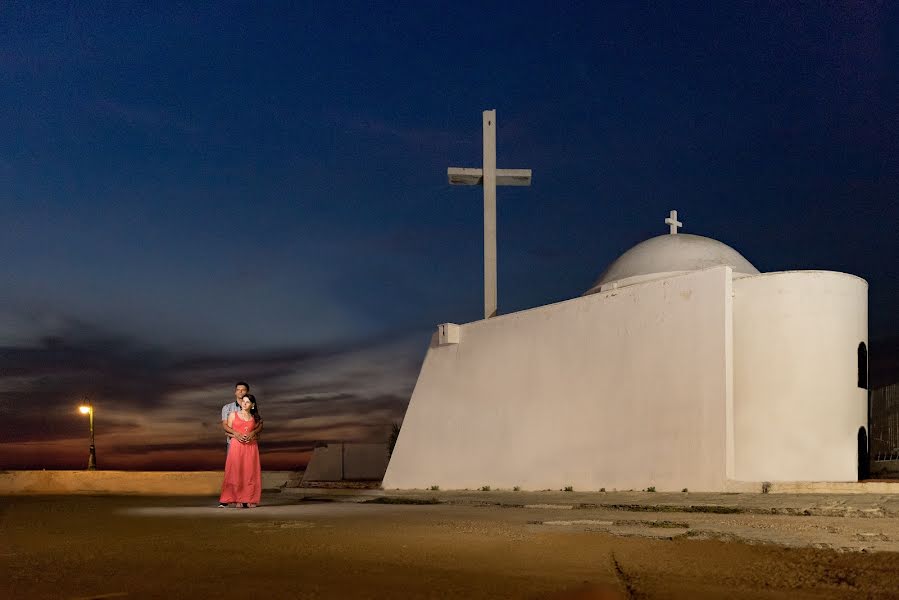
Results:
x,y
245,505
250,505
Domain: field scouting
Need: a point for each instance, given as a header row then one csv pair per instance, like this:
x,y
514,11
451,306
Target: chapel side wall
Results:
x,y
797,405
623,389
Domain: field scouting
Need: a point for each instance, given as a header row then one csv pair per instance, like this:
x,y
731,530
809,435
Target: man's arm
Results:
x,y
228,430
234,434
226,425
225,418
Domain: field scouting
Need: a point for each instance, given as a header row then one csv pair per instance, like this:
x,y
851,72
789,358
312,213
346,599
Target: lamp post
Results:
x,y
87,408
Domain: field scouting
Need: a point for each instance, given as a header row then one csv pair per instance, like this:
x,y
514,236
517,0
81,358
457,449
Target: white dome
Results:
x,y
668,255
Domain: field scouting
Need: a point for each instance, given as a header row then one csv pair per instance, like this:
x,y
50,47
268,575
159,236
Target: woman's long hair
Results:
x,y
254,410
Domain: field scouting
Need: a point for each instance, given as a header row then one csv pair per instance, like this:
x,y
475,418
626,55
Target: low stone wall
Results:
x,y
150,483
814,487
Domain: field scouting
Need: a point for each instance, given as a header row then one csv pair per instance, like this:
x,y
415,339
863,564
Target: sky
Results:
x,y
193,195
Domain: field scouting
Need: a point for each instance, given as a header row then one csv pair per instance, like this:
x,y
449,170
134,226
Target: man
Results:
x,y
241,389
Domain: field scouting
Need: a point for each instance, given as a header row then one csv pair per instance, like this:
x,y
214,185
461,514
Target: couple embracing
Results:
x,y
243,474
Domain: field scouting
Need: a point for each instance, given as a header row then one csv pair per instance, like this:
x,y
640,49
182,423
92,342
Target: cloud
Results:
x,y
420,138
156,406
152,119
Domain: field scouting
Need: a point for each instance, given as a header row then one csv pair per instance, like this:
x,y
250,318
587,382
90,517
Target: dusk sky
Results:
x,y
195,195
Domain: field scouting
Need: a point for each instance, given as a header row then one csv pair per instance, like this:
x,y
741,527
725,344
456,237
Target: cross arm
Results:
x,y
467,176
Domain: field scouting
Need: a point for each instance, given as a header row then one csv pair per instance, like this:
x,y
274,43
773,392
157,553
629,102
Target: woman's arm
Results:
x,y
256,430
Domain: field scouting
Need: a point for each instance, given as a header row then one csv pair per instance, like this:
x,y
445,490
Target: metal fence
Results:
x,y
883,440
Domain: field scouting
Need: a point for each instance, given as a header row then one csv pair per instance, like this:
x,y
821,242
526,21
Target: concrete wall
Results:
x,y
885,469
161,483
364,461
797,406
325,464
345,461
622,389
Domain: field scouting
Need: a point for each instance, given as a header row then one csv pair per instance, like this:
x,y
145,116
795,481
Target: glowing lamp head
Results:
x,y
84,409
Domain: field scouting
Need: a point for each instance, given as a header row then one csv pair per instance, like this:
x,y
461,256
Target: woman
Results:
x,y
243,474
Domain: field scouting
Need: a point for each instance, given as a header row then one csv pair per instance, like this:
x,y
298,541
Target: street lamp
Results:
x,y
88,409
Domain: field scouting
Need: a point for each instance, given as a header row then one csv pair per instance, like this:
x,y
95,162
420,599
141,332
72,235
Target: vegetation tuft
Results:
x,y
389,500
706,508
661,524
670,524
391,440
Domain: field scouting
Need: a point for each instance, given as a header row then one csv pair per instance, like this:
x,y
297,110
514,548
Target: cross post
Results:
x,y
489,177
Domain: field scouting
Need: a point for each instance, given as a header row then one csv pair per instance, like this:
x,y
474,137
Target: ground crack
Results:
x,y
629,588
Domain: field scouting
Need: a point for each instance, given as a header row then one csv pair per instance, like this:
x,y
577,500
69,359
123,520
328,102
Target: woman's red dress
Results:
x,y
243,474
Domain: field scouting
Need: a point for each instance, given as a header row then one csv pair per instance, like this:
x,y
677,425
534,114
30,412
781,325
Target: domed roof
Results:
x,y
667,255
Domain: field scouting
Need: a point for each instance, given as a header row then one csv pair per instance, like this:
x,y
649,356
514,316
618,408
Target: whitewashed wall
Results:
x,y
622,389
797,407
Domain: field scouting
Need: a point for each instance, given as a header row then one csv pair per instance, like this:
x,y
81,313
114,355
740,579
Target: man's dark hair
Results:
x,y
243,383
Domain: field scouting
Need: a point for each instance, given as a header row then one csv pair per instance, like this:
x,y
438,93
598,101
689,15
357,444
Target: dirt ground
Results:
x,y
296,547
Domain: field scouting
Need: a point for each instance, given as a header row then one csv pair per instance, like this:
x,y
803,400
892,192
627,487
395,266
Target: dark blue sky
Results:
x,y
195,195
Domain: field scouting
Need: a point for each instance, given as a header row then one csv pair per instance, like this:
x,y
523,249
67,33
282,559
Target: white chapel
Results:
x,y
683,366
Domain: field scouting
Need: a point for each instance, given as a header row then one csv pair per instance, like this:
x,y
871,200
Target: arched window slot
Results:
x,y
864,464
863,366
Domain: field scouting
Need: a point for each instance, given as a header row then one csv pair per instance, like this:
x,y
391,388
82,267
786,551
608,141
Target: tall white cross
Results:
x,y
673,222
489,177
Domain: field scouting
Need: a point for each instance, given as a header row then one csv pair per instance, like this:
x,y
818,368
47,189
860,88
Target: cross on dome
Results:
x,y
673,222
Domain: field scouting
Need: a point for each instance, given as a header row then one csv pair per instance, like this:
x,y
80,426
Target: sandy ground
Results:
x,y
315,547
